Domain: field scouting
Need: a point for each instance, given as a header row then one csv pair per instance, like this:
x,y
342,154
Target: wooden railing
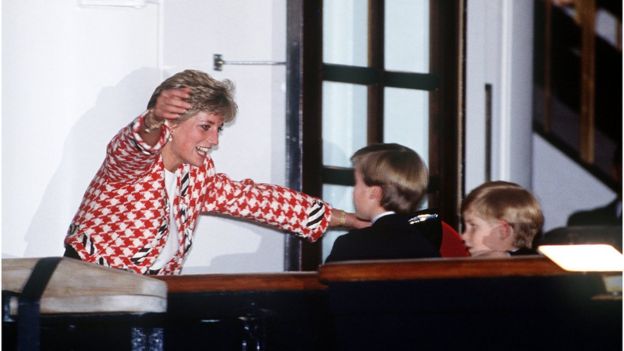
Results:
x,y
366,270
439,269
243,282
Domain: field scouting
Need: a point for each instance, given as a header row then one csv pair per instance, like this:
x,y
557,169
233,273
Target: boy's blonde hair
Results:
x,y
398,170
498,200
207,94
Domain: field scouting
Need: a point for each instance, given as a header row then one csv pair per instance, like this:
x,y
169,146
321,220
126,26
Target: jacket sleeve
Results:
x,y
278,206
128,157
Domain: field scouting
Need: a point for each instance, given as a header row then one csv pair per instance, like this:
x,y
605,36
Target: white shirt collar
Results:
x,y
381,215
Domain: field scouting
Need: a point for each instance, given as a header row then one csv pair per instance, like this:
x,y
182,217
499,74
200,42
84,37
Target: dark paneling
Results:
x,y
304,22
446,102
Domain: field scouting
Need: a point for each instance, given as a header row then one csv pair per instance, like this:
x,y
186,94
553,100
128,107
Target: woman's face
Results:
x,y
192,140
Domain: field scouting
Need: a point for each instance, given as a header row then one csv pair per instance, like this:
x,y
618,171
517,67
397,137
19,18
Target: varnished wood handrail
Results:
x,y
438,269
243,282
353,271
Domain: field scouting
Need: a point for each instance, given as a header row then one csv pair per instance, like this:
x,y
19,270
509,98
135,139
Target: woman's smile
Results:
x,y
203,150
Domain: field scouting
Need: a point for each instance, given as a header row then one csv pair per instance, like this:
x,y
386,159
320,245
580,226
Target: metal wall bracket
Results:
x,y
219,62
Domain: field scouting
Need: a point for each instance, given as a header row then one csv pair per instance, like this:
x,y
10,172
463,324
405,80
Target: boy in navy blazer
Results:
x,y
390,183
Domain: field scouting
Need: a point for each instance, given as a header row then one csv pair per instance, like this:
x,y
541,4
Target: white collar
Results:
x,y
381,215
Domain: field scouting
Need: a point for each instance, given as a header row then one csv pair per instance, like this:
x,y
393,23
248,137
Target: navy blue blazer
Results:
x,y
390,237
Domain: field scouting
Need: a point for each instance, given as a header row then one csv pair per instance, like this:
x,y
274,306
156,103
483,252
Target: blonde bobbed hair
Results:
x,y
207,94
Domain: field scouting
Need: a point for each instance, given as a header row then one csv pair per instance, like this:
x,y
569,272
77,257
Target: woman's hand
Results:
x,y
342,219
171,104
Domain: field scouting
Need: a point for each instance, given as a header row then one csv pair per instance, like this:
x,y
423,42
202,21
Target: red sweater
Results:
x,y
123,220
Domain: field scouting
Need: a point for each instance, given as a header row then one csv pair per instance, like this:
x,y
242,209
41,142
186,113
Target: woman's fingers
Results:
x,y
171,103
354,222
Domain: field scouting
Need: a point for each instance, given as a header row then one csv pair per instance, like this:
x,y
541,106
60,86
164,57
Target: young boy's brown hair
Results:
x,y
398,170
509,204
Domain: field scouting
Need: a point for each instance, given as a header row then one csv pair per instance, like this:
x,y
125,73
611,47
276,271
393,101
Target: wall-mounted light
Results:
x,y
585,257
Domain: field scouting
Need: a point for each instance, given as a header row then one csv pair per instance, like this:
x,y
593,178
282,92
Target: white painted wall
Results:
x,y
73,76
499,52
562,187
71,79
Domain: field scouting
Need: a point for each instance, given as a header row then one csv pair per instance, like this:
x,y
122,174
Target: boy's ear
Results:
x,y
505,230
376,193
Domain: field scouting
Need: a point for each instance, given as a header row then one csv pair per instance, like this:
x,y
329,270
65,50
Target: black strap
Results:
x,y
28,308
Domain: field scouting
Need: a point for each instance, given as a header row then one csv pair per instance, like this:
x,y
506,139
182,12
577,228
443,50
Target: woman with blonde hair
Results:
x,y
140,211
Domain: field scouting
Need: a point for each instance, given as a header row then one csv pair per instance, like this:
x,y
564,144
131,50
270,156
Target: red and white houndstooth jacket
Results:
x,y
123,220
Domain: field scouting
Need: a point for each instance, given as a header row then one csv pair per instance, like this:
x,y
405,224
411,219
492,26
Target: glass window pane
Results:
x,y
345,31
407,35
407,119
339,197
344,122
